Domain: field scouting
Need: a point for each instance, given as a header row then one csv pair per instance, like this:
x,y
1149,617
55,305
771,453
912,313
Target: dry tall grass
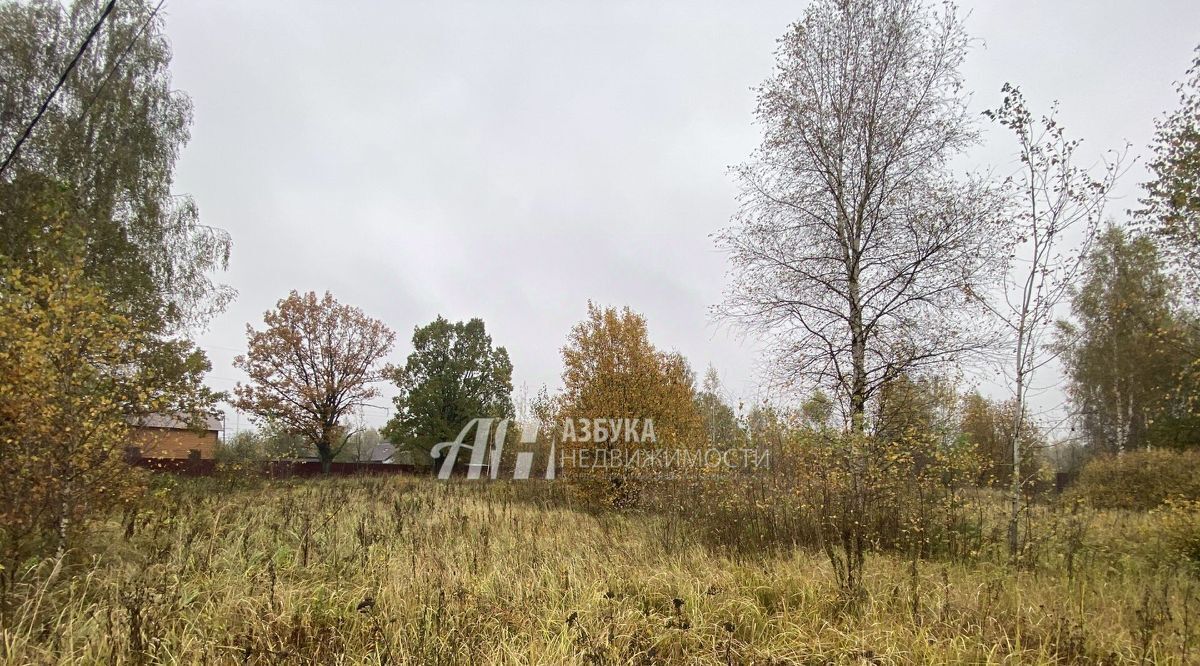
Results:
x,y
416,571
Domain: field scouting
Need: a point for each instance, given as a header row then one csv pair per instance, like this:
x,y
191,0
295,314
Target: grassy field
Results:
x,y
415,571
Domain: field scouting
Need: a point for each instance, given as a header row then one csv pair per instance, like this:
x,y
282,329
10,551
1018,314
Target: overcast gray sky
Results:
x,y
511,160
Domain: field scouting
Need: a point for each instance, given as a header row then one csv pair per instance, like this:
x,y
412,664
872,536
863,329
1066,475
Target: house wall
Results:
x,y
171,443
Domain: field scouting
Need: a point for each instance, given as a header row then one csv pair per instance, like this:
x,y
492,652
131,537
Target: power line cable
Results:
x,y
87,106
61,80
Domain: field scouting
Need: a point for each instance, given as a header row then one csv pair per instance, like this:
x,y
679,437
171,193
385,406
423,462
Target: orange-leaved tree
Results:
x,y
315,362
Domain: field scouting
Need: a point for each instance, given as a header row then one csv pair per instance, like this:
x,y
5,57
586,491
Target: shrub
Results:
x,y
844,494
1140,480
1181,528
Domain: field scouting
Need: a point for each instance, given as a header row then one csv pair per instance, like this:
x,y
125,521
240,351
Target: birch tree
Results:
x,y
854,246
106,150
1056,211
70,383
1123,347
1171,206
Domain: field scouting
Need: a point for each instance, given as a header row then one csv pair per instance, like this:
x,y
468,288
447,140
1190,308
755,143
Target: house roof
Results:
x,y
169,422
383,452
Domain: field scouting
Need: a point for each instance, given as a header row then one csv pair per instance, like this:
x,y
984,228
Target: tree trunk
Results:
x,y
1014,516
858,352
325,452
1015,491
64,512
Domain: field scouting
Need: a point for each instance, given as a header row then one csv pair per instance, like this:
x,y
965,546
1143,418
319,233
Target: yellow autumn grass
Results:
x,y
416,571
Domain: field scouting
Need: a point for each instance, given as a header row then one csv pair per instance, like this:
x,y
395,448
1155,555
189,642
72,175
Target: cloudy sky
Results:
x,y
512,160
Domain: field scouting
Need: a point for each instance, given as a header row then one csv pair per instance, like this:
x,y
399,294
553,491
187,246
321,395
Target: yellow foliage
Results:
x,y
67,365
1140,480
612,371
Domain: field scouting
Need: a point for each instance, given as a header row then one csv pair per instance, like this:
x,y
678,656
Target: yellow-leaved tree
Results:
x,y
622,399
73,371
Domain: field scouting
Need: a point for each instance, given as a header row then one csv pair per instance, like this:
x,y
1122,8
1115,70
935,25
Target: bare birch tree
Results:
x,y
1056,211
854,248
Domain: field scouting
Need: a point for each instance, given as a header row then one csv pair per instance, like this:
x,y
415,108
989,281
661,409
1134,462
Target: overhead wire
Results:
x,y
16,149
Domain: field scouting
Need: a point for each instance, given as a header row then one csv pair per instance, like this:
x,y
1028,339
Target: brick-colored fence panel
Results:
x,y
281,469
275,469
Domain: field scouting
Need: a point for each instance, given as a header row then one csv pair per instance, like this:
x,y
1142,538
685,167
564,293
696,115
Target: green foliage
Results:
x,y
244,447
108,144
720,423
41,235
1140,480
104,269
987,426
1125,349
817,410
271,442
909,406
453,375
1172,203
359,445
